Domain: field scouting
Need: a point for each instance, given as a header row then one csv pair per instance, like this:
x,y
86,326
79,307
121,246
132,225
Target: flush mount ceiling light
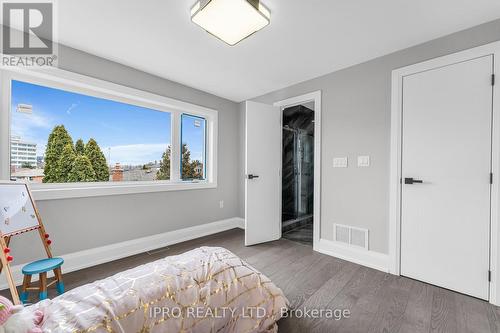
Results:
x,y
230,20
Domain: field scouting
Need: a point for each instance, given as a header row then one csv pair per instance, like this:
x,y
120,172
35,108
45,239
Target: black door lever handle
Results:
x,y
413,181
250,176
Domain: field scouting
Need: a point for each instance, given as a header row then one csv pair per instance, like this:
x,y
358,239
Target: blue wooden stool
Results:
x,y
42,267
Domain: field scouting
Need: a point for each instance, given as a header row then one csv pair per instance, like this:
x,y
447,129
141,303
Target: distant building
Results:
x,y
22,153
128,173
117,173
40,162
28,175
198,168
138,174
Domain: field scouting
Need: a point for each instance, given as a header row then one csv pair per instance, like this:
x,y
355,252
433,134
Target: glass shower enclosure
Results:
x,y
298,175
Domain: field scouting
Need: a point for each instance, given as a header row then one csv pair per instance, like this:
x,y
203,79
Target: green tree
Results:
x,y
98,161
58,139
66,162
82,170
79,147
187,167
164,172
190,169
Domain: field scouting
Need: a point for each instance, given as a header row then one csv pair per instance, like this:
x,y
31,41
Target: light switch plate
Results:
x,y
340,162
363,161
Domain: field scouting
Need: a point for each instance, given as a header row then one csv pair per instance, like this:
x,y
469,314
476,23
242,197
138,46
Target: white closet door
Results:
x,y
446,131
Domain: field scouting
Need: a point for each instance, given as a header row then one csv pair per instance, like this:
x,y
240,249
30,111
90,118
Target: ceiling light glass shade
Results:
x,y
230,20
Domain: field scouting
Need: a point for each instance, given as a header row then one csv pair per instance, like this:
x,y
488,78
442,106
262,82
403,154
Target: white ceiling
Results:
x,y
306,39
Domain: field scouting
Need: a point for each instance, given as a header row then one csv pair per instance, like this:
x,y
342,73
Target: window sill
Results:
x,y
84,190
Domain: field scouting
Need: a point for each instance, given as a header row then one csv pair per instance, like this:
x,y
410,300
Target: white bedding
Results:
x,y
204,290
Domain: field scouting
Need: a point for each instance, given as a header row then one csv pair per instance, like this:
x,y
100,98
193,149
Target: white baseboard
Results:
x,y
362,257
241,222
92,257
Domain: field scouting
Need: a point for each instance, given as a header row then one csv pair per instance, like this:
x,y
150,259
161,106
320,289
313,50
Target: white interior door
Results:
x,y
446,144
262,173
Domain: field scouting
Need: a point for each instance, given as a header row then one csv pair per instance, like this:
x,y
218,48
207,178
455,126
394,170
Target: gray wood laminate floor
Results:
x,y
378,302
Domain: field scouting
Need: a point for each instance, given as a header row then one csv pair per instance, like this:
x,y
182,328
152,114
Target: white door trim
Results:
x,y
316,98
395,160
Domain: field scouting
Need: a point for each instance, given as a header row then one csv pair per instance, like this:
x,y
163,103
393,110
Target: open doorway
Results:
x,y
263,170
298,173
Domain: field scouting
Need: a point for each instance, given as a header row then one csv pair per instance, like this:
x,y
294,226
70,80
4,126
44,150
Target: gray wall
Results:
x,y
356,121
84,223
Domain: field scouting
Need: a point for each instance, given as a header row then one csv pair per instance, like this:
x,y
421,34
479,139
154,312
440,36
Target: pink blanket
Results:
x,y
204,290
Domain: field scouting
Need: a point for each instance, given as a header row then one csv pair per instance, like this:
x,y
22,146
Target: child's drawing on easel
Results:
x,y
18,214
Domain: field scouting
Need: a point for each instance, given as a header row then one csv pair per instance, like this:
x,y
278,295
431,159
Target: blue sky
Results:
x,y
126,133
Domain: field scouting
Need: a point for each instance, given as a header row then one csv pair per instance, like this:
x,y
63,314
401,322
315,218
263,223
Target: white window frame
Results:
x,y
68,81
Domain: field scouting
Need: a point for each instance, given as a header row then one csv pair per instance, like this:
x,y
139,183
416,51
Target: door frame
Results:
x,y
315,97
395,159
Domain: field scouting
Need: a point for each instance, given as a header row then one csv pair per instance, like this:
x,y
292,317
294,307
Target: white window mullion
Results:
x,y
4,128
175,159
211,147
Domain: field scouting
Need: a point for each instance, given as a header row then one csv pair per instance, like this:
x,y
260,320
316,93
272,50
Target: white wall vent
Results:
x,y
351,236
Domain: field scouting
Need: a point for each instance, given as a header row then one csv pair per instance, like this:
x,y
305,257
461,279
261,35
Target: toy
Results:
x,y
18,214
14,320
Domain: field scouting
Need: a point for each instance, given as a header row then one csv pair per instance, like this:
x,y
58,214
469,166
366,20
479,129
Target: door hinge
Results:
x,y
491,177
489,276
493,79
